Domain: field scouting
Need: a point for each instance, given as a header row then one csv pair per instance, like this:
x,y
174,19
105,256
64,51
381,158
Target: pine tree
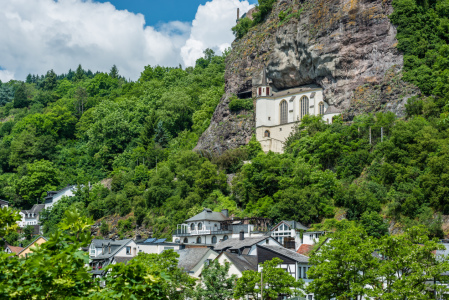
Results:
x,y
20,97
79,73
114,72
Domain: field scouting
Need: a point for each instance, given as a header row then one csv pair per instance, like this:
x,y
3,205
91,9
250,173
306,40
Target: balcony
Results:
x,y
206,231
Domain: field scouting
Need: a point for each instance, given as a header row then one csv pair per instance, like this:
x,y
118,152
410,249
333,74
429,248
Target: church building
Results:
x,y
277,113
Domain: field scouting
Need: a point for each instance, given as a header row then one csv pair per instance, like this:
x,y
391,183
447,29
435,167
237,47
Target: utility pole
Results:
x,y
370,135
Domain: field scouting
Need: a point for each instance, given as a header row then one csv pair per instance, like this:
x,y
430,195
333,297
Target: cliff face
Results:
x,y
345,46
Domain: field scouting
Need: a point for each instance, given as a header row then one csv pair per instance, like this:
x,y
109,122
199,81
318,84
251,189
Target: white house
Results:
x,y
31,216
154,245
293,234
245,246
3,203
193,260
278,112
54,196
238,263
210,227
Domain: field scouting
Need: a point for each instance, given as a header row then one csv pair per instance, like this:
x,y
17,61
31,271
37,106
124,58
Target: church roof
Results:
x,y
332,110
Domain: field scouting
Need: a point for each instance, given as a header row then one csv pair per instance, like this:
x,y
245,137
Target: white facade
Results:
x,y
156,248
53,197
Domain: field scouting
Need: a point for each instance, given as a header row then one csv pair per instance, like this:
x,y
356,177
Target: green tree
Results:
x,y
21,96
114,72
79,73
275,281
215,284
50,81
8,218
28,232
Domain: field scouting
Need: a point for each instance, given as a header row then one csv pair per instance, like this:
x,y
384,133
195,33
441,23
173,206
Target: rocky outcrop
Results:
x,y
345,46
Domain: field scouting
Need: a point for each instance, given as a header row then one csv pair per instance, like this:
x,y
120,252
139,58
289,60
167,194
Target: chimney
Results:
x,y
138,237
238,13
242,235
225,212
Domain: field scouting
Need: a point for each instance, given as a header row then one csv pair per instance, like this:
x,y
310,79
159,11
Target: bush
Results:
x,y
242,27
240,104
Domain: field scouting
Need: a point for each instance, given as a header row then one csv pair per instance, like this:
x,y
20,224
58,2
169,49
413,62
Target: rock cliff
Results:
x,y
345,46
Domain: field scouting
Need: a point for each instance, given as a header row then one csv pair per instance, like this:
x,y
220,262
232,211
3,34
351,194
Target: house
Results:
x,y
209,227
13,249
245,246
31,216
110,252
238,263
294,263
29,249
3,203
154,245
54,196
192,260
293,234
278,112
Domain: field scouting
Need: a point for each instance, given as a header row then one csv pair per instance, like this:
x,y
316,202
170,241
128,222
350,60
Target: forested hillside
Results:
x,y
80,128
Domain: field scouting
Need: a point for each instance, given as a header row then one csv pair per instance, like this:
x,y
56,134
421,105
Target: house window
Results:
x,y
266,241
310,297
284,112
192,226
186,240
269,118
267,133
109,249
299,272
214,239
128,250
304,272
260,91
304,106
268,91
200,226
321,105
225,238
198,240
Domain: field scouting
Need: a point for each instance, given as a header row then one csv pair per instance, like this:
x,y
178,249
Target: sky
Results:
x,y
39,35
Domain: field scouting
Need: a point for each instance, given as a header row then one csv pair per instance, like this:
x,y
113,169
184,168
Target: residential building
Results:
x,y
54,196
13,249
192,260
278,112
245,246
154,245
293,234
209,228
29,249
3,203
31,216
238,263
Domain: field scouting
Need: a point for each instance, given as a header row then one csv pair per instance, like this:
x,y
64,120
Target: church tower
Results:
x,y
263,90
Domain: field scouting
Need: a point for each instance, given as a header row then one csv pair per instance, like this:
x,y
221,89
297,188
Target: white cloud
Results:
x,y
40,35
212,28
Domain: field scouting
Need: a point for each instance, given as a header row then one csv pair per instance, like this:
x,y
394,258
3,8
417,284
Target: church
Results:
x,y
277,113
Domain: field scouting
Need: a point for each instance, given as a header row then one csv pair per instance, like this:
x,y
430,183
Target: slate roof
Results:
x,y
35,209
242,262
292,224
305,249
236,243
51,194
98,243
332,110
3,202
122,259
208,215
119,245
190,257
286,252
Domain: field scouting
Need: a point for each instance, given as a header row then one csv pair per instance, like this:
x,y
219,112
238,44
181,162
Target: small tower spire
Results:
x,y
264,76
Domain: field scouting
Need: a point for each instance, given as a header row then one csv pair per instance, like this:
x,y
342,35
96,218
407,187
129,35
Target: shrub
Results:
x,y
237,104
242,27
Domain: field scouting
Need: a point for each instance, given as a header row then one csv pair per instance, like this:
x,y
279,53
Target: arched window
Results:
x,y
198,240
225,238
192,226
304,106
200,226
284,112
186,240
214,239
267,133
321,105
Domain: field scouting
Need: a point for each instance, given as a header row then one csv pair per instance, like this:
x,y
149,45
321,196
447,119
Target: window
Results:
x,y
304,272
109,249
128,250
198,240
214,239
186,240
299,272
267,133
268,91
225,238
260,91
284,111
310,297
304,106
192,226
269,118
266,241
321,105
200,226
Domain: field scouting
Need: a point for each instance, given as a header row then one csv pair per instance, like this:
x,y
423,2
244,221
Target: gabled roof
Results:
x,y
236,243
4,202
305,249
291,224
332,110
119,245
14,249
123,259
208,215
286,253
51,194
241,262
98,243
32,243
191,257
35,209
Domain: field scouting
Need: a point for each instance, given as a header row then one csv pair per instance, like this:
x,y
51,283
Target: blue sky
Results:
x,y
37,36
162,11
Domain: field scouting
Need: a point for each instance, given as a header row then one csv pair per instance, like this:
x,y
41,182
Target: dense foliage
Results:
x,y
263,9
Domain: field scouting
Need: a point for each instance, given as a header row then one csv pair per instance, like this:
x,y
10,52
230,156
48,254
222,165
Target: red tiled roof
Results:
x,y
14,249
305,249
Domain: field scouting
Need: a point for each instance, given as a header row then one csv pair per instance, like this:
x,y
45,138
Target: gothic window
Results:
x,y
198,240
267,133
186,240
304,106
214,239
321,108
284,112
